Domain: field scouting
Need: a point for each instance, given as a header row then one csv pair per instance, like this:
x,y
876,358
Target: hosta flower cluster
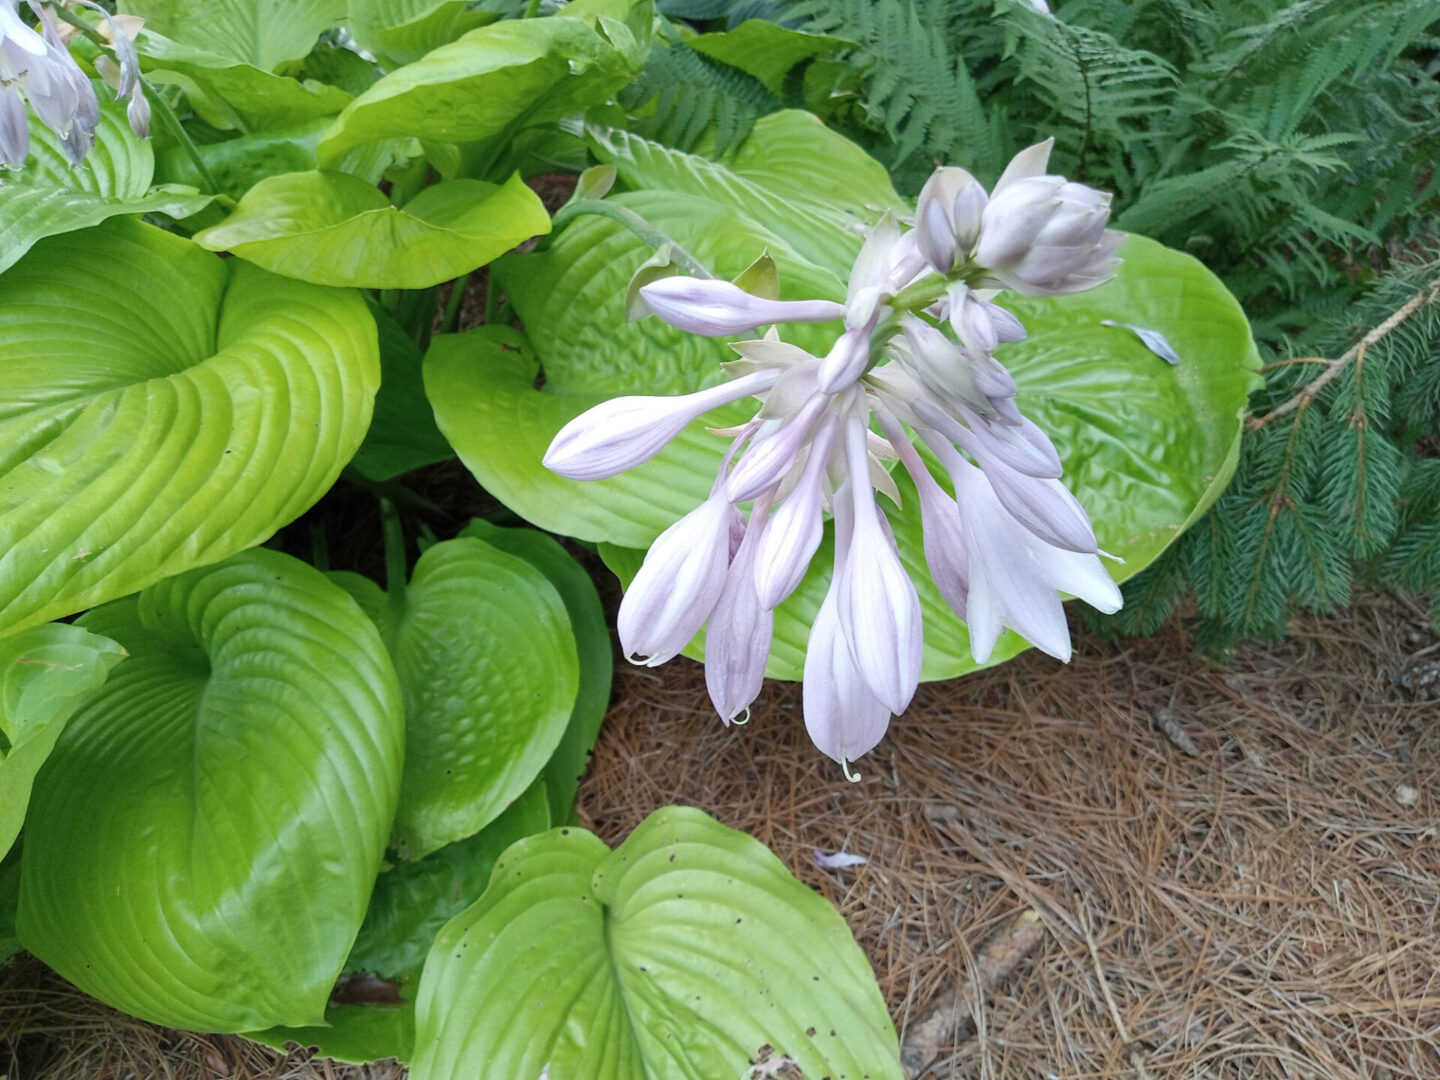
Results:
x,y
37,65
916,360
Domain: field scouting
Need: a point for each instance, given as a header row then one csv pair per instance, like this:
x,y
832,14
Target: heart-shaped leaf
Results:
x,y
261,33
48,197
487,664
689,951
160,409
592,644
332,228
46,673
202,844
529,71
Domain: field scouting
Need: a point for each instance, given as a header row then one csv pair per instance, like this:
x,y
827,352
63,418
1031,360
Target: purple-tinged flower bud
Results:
x,y
847,359
20,46
947,216
937,361
796,528
1044,506
843,718
943,531
14,129
767,461
138,112
737,641
878,606
678,584
624,432
714,308
1044,236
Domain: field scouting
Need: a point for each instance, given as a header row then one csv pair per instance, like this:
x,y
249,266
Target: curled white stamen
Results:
x,y
738,722
854,778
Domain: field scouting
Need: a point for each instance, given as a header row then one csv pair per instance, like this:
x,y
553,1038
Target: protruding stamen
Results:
x,y
854,778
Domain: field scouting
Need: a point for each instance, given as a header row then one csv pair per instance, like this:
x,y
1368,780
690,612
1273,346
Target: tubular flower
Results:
x,y
914,354
40,66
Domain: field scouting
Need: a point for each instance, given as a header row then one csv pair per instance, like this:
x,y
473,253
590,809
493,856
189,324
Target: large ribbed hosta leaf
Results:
x,y
689,951
203,841
160,409
487,665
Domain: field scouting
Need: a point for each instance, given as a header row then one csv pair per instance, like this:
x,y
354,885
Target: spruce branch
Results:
x,y
1355,353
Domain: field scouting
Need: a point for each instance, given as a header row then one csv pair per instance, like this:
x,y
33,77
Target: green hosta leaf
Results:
x,y
592,644
402,434
229,94
160,409
488,667
402,31
45,675
411,902
678,955
9,900
203,842
520,71
261,33
332,228
240,163
47,197
765,49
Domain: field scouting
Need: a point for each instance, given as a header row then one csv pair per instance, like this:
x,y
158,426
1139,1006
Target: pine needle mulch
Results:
x,y
1138,865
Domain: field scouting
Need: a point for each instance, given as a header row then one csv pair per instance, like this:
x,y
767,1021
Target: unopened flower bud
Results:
x,y
1045,236
715,308
947,216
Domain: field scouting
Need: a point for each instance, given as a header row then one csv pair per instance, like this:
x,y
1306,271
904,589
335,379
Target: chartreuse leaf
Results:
x,y
229,94
204,839
332,228
487,664
1147,446
681,954
592,644
47,197
519,71
240,163
402,434
160,409
411,902
261,33
45,674
402,31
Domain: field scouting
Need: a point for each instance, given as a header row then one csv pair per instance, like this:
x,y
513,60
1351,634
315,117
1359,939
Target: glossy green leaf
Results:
x,y
229,94
332,228
592,645
402,31
1147,446
411,902
160,409
240,163
204,839
402,434
765,49
47,197
678,955
261,33
519,71
46,673
488,667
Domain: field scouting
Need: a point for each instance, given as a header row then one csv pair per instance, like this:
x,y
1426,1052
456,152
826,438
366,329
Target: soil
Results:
x,y
1138,865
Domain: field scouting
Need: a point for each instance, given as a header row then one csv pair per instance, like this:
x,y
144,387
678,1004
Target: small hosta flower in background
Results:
x,y
36,66
1002,543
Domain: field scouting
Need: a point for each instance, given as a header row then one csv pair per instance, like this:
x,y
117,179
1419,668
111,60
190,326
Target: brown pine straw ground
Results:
x,y
1081,896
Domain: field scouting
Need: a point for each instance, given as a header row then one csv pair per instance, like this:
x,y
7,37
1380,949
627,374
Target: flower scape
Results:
x,y
1001,545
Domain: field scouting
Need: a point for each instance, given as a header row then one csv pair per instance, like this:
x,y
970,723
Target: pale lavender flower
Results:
x,y
716,308
1000,549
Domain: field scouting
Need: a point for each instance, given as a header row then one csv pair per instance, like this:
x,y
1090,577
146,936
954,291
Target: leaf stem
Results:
x,y
394,552
452,307
636,224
